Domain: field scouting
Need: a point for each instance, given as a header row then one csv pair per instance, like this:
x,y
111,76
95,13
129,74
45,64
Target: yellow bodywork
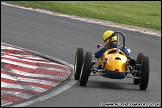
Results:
x,y
114,60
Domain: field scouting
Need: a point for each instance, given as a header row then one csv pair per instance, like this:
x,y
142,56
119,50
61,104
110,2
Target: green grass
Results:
x,y
146,14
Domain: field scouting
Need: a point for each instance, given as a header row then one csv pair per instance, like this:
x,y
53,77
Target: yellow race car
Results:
x,y
112,64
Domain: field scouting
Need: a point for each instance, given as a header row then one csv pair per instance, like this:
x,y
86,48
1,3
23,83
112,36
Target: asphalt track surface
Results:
x,y
60,37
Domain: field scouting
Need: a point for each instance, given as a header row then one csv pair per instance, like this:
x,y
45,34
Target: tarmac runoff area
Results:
x,y
25,74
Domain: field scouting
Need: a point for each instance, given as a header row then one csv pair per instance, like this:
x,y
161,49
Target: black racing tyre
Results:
x,y
145,73
78,63
138,61
85,72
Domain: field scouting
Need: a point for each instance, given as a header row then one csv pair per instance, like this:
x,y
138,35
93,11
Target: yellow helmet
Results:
x,y
106,36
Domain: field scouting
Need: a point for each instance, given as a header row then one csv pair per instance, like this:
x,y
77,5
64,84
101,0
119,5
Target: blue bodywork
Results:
x,y
111,74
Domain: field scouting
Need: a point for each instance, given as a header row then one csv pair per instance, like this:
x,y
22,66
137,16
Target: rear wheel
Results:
x,y
78,63
86,69
145,73
138,61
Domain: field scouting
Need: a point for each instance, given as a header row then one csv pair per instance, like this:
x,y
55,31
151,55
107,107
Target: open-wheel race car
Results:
x,y
112,64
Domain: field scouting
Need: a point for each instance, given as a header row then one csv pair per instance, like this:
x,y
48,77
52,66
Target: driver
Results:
x,y
113,44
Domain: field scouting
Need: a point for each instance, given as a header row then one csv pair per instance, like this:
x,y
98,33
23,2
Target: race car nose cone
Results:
x,y
116,71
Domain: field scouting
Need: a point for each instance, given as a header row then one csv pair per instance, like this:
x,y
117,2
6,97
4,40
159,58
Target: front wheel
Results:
x,y
144,74
86,69
78,63
138,61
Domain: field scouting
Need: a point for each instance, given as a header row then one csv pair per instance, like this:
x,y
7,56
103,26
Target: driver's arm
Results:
x,y
100,52
127,53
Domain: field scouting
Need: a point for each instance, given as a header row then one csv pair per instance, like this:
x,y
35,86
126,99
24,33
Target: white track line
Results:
x,y
37,75
19,86
38,81
17,94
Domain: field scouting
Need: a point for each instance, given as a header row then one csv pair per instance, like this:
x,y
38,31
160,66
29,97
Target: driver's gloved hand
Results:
x,y
99,46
